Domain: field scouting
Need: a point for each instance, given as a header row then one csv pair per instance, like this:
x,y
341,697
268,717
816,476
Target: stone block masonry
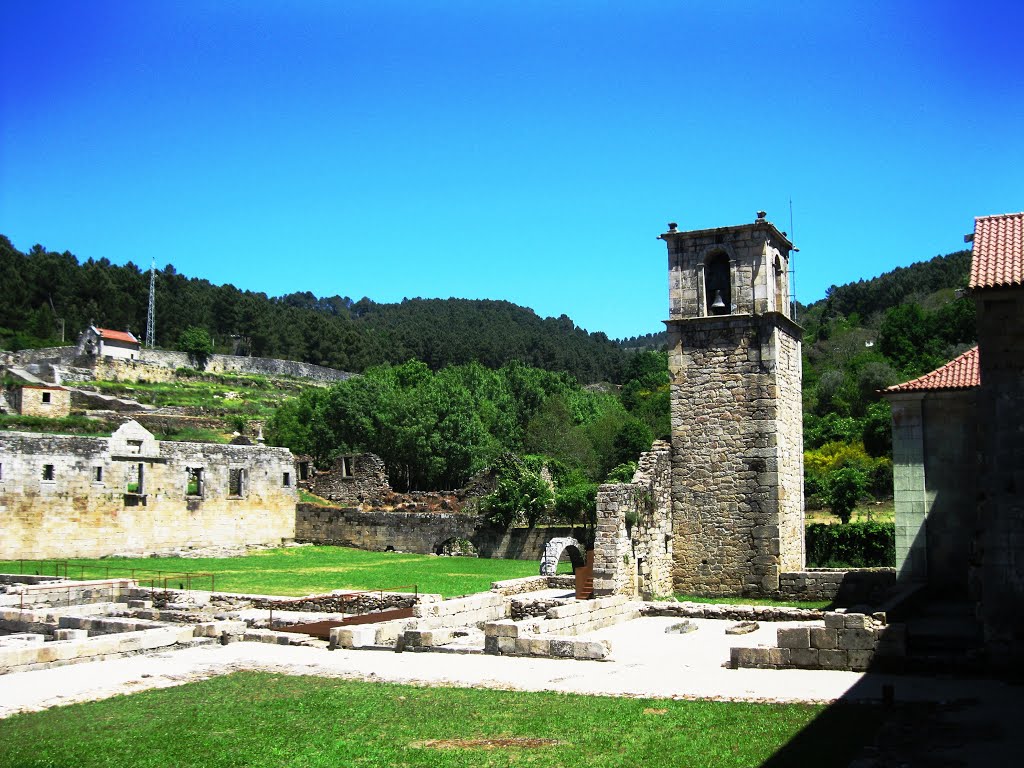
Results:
x,y
65,496
847,641
737,434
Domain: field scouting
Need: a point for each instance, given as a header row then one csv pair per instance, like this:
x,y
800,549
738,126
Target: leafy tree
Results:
x,y
843,489
632,439
521,493
623,473
197,344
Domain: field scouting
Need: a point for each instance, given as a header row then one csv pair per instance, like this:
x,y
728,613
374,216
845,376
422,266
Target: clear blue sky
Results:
x,y
528,151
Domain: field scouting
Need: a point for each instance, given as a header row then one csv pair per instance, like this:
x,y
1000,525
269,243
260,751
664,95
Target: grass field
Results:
x,y
257,719
878,511
307,570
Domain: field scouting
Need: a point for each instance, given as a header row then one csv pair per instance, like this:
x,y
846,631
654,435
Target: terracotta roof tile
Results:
x,y
109,335
959,373
998,253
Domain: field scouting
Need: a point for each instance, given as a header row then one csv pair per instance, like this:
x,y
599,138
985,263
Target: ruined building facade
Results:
x,y
67,496
737,430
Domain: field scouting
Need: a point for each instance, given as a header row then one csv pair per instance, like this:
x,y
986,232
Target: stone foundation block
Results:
x,y
352,637
491,646
794,637
856,621
562,648
835,620
824,637
70,634
856,639
506,645
593,650
860,660
540,646
833,659
522,646
804,658
502,628
780,657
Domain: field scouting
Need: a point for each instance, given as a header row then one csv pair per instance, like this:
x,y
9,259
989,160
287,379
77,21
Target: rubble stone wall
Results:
x,y
633,544
160,364
377,531
849,587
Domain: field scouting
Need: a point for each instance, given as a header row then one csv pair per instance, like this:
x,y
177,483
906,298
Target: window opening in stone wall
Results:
x,y
1,471
134,446
194,481
303,470
287,480
48,472
780,294
346,463
236,482
46,398
718,285
97,474
133,484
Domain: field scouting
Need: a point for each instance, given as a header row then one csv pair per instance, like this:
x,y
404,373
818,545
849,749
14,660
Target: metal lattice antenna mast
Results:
x,y
151,314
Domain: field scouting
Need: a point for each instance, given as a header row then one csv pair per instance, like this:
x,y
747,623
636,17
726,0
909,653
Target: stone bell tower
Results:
x,y
737,423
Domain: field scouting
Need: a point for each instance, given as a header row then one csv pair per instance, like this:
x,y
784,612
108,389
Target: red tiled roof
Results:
x,y
998,253
109,335
960,373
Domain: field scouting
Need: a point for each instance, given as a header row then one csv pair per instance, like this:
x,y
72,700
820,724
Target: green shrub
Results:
x,y
851,545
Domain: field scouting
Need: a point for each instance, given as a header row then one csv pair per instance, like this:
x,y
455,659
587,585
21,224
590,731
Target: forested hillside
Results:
x,y
41,289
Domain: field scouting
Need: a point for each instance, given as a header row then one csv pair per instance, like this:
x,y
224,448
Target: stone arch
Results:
x,y
553,552
456,546
781,294
717,283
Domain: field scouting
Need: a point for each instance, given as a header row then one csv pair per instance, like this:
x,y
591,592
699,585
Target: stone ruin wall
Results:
x,y
366,482
738,487
74,515
636,559
159,365
28,401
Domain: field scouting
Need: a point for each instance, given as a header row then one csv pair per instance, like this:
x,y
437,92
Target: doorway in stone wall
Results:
x,y
581,558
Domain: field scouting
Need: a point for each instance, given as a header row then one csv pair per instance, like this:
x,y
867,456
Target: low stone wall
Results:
x,y
729,612
845,586
361,603
58,652
553,635
106,625
160,364
504,639
519,543
68,592
462,611
378,531
847,641
533,584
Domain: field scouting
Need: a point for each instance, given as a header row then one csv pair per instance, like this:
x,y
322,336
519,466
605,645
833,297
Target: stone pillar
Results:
x,y
909,488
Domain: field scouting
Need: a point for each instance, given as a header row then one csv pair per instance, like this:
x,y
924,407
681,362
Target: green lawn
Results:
x,y
308,570
258,719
